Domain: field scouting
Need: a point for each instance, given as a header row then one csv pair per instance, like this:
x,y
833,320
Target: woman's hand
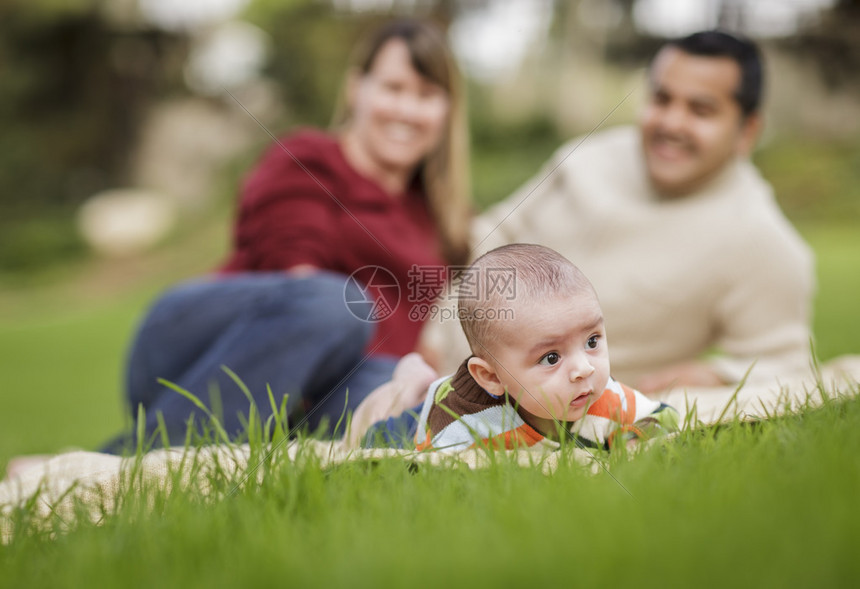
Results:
x,y
302,270
406,389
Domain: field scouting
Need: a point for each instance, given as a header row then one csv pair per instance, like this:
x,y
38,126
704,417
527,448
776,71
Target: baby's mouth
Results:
x,y
581,399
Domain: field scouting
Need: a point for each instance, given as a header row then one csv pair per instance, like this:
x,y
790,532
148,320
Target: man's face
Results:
x,y
692,125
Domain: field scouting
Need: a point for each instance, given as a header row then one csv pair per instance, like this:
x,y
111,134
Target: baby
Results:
x,y
540,365
539,370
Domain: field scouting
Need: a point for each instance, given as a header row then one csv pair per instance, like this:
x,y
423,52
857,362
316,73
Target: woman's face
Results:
x,y
398,116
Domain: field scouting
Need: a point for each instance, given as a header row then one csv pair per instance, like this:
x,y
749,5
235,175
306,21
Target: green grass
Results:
x,y
814,179
64,333
499,170
766,506
836,320
61,381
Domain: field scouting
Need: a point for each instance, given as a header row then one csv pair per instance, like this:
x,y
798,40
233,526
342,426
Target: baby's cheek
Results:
x,y
518,397
601,386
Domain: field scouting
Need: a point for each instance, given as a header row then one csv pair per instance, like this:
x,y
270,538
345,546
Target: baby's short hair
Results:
x,y
537,272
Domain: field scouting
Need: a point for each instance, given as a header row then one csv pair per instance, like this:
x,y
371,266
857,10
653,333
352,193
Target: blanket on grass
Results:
x,y
93,485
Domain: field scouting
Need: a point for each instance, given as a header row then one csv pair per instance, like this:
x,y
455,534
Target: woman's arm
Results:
x,y
406,390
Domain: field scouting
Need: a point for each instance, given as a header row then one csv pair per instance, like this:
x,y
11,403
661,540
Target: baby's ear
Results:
x,y
485,375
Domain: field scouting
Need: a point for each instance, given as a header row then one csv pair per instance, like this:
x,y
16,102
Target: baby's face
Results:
x,y
553,357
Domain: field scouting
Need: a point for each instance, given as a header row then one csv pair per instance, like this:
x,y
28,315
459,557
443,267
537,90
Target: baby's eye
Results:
x,y
550,359
592,342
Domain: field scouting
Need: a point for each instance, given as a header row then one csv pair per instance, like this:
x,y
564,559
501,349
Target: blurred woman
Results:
x,y
336,234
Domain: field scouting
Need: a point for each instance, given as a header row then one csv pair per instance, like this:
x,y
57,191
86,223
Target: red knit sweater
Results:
x,y
286,218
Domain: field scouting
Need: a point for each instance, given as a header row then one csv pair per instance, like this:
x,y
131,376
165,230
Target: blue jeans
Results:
x,y
294,334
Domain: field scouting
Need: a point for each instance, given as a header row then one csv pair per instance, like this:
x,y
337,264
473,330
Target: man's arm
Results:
x,y
765,317
762,320
695,373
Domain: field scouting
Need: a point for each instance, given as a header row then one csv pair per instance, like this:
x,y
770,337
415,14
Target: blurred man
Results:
x,y
700,275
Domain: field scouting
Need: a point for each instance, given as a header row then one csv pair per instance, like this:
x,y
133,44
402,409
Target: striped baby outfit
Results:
x,y
458,414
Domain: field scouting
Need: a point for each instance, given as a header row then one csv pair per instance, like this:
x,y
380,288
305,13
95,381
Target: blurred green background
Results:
x,y
130,94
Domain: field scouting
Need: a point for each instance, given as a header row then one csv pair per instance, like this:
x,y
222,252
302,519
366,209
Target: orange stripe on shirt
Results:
x,y
609,406
631,404
523,435
427,444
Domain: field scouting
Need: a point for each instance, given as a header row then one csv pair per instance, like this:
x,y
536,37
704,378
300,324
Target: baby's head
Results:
x,y
541,341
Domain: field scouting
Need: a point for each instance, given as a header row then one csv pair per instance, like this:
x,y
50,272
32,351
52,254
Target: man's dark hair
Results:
x,y
742,50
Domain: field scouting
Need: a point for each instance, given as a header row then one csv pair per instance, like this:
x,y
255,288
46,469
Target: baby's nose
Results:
x,y
582,368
